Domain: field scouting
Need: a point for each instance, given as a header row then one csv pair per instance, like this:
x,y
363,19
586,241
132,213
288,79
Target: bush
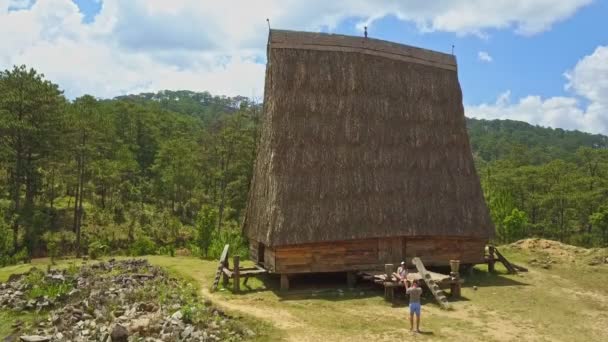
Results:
x,y
167,250
206,222
97,249
38,287
229,234
143,246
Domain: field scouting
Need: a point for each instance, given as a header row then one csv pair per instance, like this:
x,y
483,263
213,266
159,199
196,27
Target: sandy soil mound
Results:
x,y
561,251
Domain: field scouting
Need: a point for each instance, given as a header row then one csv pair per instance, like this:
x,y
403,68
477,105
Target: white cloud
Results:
x,y
484,56
588,79
144,45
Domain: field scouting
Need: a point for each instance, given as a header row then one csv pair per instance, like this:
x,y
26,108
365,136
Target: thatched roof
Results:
x,y
361,138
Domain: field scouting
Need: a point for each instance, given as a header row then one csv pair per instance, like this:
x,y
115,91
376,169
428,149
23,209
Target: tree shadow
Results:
x,y
486,279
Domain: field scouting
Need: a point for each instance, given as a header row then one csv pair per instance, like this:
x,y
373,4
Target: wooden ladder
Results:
x,y
437,292
511,268
220,267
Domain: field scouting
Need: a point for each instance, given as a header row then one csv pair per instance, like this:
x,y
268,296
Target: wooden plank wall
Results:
x,y
340,256
439,251
327,257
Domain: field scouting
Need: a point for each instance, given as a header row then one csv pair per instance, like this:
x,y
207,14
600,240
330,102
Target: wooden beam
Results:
x,y
227,272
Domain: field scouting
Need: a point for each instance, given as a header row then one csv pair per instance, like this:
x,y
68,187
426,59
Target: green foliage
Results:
x,y
230,233
59,243
115,170
599,220
97,249
206,223
143,246
514,225
556,200
167,250
6,243
39,286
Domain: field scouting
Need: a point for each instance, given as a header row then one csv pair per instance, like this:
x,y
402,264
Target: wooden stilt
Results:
x,y
236,281
389,291
491,259
351,279
284,282
455,275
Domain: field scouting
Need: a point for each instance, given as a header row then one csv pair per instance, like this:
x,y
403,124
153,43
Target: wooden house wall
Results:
x,y
340,256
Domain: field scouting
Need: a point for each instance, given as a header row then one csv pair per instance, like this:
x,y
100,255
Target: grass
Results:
x,y
563,303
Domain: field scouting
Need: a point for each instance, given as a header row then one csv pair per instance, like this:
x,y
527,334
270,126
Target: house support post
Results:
x,y
351,279
455,278
224,276
389,289
491,259
284,282
236,281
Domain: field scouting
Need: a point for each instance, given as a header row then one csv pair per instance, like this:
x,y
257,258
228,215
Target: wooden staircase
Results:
x,y
511,267
437,292
220,267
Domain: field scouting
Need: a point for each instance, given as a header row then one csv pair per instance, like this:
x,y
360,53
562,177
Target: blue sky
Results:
x,y
541,61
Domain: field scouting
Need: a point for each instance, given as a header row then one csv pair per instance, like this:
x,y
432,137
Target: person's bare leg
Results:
x,y
418,323
411,321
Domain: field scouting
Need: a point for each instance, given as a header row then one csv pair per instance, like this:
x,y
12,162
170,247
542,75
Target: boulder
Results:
x,y
119,333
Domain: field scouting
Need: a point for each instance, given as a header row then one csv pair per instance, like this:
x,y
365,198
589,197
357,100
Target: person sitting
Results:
x,y
402,272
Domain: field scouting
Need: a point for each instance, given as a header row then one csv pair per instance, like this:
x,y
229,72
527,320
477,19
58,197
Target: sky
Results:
x,y
540,61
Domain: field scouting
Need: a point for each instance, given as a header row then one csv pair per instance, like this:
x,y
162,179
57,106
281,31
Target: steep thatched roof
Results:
x,y
361,138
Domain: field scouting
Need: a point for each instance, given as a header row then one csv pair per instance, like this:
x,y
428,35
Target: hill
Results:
x,y
498,139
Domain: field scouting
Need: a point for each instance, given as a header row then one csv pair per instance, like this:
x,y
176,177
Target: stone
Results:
x,y
139,325
119,333
177,315
35,338
187,332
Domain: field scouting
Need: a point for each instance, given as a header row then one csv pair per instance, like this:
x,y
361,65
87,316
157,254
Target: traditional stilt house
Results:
x,y
363,159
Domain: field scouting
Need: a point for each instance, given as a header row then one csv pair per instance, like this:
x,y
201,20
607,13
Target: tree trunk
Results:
x,y
81,187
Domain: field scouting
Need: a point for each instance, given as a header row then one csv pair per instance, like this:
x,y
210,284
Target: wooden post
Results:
x,y
284,282
455,278
491,260
389,291
351,279
224,276
236,281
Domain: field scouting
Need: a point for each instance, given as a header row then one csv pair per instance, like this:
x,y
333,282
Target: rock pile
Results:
x,y
124,300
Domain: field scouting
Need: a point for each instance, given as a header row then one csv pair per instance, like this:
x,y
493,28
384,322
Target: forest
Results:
x,y
169,172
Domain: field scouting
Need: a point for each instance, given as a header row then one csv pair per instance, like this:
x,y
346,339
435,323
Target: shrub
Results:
x,y
206,222
143,246
167,250
38,287
230,233
52,245
97,249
